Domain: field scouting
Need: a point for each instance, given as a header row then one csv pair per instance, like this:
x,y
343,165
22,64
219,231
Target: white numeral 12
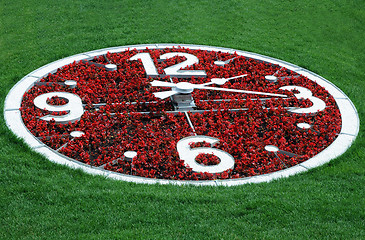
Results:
x,y
172,71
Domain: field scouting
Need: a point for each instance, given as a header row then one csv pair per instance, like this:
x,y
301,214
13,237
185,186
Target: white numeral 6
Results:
x,y
189,154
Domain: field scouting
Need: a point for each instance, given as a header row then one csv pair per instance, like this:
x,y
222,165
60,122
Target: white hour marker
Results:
x,y
76,134
276,150
271,148
129,155
304,126
222,63
111,67
108,66
71,83
271,78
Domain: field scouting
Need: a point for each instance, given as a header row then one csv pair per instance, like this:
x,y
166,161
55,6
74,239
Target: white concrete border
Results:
x,y
349,129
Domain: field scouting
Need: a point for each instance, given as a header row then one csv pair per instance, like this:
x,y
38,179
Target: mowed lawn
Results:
x,y
42,200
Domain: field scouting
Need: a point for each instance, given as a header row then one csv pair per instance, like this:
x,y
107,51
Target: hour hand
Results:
x,y
221,81
240,91
165,94
157,83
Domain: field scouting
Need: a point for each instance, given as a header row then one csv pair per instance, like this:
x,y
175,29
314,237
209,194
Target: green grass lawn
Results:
x,y
42,200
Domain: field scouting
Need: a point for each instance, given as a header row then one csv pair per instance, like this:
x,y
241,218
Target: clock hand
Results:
x,y
185,88
240,91
165,94
221,81
157,83
218,81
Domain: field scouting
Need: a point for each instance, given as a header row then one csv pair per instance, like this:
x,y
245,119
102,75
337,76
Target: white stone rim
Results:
x,y
349,116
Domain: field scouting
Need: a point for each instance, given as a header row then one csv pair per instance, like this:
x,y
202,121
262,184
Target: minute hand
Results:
x,y
239,91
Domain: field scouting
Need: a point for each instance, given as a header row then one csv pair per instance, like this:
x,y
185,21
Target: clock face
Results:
x,y
181,114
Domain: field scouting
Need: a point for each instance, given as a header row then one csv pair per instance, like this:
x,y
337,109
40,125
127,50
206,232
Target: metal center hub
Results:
x,y
184,87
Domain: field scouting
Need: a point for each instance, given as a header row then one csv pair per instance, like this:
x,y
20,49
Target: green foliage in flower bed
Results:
x,y
41,200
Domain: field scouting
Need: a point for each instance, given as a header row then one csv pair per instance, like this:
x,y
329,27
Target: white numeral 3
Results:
x,y
318,104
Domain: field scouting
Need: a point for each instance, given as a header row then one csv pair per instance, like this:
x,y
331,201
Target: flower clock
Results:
x,y
183,114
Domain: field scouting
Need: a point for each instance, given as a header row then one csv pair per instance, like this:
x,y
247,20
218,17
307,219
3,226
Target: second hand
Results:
x,y
186,88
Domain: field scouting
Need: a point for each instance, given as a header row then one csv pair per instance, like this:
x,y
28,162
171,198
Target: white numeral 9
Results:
x,y
189,154
318,104
73,107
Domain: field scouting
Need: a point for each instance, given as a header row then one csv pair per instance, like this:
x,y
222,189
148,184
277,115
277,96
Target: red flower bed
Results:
x,y
122,114
207,159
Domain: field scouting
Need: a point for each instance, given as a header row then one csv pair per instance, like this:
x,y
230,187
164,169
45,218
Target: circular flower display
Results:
x,y
182,114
